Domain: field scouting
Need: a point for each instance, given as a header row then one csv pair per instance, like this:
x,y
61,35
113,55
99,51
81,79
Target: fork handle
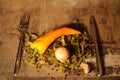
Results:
x,y
19,55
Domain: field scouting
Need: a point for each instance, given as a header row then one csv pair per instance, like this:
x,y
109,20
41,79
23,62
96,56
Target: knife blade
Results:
x,y
93,34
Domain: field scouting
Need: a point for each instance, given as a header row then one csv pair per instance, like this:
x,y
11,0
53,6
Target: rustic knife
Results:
x,y
93,34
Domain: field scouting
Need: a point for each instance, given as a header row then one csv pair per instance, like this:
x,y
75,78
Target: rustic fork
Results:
x,y
23,28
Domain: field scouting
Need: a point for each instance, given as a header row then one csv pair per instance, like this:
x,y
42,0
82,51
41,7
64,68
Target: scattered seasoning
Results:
x,y
56,69
65,78
51,78
48,73
52,68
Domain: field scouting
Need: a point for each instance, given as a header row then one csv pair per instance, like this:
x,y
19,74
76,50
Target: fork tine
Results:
x,y
24,23
25,19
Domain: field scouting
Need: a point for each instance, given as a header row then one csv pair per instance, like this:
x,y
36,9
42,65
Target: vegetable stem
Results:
x,y
34,52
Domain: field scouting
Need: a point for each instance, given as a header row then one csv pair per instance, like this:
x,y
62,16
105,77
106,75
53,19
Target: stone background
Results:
x,y
48,14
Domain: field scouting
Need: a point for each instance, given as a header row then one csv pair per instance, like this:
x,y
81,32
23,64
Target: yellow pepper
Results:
x,y
43,42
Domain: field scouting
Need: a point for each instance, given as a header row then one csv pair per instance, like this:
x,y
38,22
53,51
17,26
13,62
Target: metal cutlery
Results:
x,y
23,28
93,34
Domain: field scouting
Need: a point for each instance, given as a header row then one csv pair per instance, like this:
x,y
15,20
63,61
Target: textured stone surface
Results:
x,y
49,14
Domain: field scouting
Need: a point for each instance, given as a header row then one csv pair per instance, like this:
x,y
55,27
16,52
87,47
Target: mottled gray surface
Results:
x,y
48,14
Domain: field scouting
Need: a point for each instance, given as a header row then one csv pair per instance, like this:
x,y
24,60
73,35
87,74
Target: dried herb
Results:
x,y
79,46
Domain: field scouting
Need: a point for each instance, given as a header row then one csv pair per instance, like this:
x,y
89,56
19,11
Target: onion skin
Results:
x,y
62,54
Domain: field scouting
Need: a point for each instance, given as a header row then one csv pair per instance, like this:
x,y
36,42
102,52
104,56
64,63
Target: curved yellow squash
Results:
x,y
43,42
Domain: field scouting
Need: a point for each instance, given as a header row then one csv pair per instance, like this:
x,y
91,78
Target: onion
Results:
x,y
62,54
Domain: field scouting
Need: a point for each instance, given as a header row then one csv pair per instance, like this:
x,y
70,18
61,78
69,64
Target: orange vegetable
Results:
x,y
43,42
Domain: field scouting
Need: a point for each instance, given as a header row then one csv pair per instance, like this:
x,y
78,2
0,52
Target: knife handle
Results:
x,y
19,55
99,64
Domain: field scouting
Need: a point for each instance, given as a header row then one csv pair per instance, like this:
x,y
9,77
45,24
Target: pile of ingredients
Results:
x,y
64,48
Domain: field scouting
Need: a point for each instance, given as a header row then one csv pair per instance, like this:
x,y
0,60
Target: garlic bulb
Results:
x,y
62,54
85,67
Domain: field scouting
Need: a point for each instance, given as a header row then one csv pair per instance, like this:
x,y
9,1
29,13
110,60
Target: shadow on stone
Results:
x,y
78,26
